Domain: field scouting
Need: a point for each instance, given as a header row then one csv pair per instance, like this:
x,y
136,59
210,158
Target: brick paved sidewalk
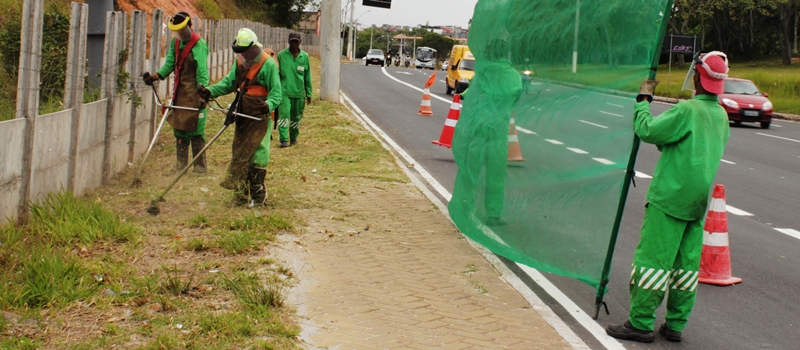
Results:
x,y
410,281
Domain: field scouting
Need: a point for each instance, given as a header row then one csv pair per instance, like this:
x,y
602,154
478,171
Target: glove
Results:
x,y
204,93
149,79
647,90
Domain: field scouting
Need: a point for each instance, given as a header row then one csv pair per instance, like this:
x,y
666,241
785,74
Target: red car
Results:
x,y
744,103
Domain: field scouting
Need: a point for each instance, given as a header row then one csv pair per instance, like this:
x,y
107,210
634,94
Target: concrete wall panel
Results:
x,y
51,153
121,133
90,147
11,132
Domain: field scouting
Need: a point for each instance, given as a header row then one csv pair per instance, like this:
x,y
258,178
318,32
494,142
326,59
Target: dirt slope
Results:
x,y
169,6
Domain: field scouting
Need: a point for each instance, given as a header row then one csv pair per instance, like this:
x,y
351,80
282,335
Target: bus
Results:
x,y
425,58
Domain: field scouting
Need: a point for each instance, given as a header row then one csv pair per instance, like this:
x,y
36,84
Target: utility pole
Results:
x,y
350,31
331,50
575,46
371,32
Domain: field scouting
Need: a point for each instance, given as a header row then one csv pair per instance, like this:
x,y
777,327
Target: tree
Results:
x,y
440,43
278,13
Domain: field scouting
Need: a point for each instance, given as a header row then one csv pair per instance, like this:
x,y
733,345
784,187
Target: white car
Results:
x,y
374,56
444,65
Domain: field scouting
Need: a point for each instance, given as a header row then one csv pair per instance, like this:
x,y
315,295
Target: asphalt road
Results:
x,y
761,173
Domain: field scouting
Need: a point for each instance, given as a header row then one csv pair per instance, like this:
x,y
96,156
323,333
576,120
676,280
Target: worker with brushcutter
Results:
x,y
256,81
296,86
187,58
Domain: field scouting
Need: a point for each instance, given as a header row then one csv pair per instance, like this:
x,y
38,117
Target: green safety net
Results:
x,y
567,72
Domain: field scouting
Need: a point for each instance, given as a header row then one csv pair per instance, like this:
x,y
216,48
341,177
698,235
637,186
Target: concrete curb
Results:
x,y
783,116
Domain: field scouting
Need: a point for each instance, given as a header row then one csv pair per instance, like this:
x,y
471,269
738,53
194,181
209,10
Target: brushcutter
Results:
x,y
231,115
137,181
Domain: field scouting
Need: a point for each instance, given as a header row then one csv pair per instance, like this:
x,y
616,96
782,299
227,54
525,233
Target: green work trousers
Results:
x,y
290,114
260,158
483,150
666,260
187,135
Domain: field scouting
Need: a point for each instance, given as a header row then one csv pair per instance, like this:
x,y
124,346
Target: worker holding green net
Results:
x,y
691,137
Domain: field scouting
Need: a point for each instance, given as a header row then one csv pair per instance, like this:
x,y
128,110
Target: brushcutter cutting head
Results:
x,y
153,208
137,182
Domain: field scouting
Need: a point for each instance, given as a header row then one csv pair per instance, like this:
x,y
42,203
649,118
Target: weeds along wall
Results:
x,y
93,133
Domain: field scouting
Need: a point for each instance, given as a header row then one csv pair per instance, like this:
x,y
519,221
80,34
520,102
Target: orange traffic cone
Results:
x,y
514,153
715,262
446,137
425,106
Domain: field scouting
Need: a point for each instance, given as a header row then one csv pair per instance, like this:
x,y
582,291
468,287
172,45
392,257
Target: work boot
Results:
x,y
258,191
294,142
627,332
182,150
495,221
284,144
241,195
669,334
197,145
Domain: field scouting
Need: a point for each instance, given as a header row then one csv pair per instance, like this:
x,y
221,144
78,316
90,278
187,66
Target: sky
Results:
x,y
416,12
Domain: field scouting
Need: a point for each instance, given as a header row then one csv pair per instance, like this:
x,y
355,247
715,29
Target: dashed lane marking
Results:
x,y
736,211
642,175
604,161
555,142
597,125
611,104
778,137
521,129
727,161
577,150
789,232
614,114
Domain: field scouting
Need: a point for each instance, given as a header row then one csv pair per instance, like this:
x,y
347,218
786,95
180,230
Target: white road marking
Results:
x,y
736,211
611,104
604,161
521,129
614,114
727,161
577,150
597,125
413,87
555,142
790,232
406,73
441,80
543,309
776,126
778,137
731,209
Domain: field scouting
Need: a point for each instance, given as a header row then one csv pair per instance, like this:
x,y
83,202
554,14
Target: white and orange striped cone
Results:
x,y
715,262
514,152
446,138
425,106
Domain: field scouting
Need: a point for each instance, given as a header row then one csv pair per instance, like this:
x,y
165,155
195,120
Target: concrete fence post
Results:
x,y
108,85
30,63
155,57
136,53
74,84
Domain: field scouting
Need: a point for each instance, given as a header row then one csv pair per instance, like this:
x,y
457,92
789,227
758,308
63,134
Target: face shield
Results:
x,y
688,83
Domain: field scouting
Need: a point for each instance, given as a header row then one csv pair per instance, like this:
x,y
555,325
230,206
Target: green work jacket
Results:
x,y
267,77
200,53
295,74
691,137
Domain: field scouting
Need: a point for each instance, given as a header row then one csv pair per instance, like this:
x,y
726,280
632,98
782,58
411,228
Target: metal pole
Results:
x,y
575,46
331,50
371,32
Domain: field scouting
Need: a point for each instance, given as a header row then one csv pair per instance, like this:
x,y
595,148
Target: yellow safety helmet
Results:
x,y
245,39
179,21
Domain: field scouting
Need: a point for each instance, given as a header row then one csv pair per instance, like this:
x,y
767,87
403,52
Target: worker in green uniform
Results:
x,y
480,140
255,78
296,87
187,58
691,137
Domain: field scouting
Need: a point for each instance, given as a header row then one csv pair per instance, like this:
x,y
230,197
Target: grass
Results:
x,y
204,263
